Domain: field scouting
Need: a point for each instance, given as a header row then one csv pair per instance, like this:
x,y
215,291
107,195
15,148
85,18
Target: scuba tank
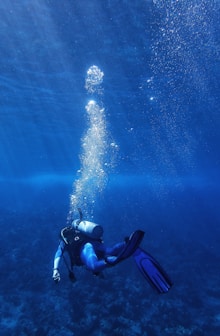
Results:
x,y
90,229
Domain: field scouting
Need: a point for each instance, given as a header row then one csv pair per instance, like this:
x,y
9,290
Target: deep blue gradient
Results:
x,y
161,96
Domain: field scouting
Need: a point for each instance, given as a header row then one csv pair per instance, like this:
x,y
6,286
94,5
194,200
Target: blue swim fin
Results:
x,y
131,245
152,271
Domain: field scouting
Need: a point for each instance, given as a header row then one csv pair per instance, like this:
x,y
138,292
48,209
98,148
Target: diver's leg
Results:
x,y
90,259
102,251
115,249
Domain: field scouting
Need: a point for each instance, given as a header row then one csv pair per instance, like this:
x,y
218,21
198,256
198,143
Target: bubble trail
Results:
x,y
96,157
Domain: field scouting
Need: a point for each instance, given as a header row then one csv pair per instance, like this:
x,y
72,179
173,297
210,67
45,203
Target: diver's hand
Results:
x,y
56,275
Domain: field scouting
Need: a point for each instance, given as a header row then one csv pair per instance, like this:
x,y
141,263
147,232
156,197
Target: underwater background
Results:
x,y
147,156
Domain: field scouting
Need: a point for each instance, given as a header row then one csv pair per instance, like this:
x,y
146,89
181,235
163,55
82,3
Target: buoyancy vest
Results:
x,y
74,240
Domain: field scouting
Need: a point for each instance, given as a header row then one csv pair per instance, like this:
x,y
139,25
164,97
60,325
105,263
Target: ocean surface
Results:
x,y
113,107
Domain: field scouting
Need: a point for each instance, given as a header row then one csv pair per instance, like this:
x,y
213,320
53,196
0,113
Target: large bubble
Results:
x,y
94,80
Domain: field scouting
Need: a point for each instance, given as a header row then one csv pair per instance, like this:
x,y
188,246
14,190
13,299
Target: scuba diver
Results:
x,y
82,240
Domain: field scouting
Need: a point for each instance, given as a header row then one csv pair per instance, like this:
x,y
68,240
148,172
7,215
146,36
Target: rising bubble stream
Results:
x,y
97,151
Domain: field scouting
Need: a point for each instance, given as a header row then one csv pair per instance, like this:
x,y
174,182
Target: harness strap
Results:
x,y
71,274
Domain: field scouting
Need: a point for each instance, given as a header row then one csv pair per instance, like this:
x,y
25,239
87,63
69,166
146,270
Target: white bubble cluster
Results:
x,y
94,80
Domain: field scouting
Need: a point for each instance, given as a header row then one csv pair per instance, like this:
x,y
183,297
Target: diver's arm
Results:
x,y
56,263
59,252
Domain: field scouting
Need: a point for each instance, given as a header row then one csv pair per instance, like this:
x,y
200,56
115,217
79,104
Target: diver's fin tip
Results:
x,y
152,271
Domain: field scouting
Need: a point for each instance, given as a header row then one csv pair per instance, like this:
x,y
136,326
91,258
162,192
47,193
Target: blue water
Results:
x,y
160,95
